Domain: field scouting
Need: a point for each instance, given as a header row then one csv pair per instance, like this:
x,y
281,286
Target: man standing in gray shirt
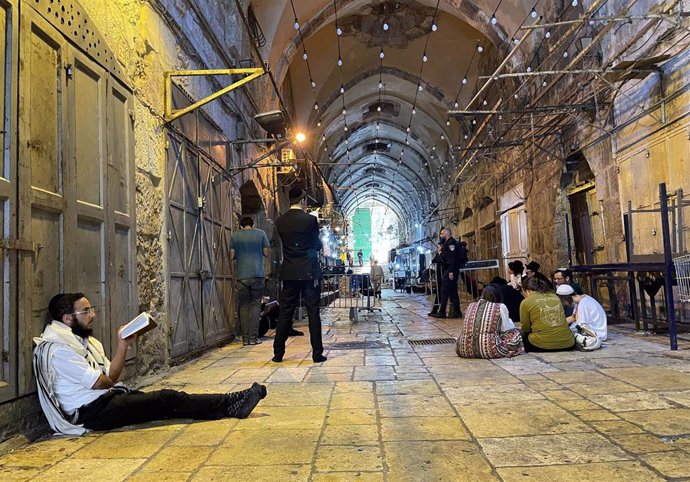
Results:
x,y
249,249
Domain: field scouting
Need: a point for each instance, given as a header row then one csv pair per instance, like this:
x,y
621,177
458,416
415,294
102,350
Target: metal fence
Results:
x,y
355,292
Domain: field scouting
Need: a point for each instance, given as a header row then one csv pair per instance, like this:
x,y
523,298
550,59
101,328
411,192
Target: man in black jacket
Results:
x,y
449,257
300,273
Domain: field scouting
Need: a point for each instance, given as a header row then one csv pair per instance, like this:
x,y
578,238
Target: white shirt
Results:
x,y
591,312
74,376
506,322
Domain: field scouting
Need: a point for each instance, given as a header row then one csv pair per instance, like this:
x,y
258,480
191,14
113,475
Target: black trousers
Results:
x,y
449,290
310,290
116,408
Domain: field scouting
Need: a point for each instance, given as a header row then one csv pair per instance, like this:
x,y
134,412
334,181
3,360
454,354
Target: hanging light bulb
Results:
x,y
480,49
434,27
342,89
296,24
345,129
548,34
313,84
385,26
466,136
464,80
574,3
474,121
316,106
414,111
420,88
456,105
378,109
516,96
448,122
516,40
344,112
424,57
529,69
304,55
318,124
533,13
565,54
381,54
380,85
493,20
442,137
340,61
338,31
408,128
485,102
324,137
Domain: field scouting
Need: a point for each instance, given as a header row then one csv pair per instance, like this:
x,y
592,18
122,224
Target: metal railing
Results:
x,y
355,292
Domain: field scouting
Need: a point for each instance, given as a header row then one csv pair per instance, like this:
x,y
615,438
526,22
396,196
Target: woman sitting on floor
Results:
x,y
488,331
542,318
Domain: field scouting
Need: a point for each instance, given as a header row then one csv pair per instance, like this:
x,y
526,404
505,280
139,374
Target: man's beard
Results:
x,y
80,331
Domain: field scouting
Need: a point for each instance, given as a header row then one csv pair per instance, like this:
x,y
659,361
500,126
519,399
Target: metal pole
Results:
x,y
668,267
627,232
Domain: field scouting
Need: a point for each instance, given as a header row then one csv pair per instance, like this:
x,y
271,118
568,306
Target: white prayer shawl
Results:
x,y
56,334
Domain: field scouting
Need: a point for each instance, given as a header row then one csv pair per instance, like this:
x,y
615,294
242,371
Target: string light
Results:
x,y
464,80
385,26
424,57
313,84
381,54
342,89
304,55
316,106
533,13
480,49
493,20
548,34
434,27
340,61
574,3
338,31
296,25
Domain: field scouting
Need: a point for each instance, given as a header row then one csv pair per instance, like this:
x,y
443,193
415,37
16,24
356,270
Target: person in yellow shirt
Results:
x,y
543,320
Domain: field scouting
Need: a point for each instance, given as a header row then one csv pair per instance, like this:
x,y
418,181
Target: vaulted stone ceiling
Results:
x,y
378,121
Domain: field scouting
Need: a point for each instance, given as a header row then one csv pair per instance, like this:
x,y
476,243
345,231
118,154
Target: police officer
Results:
x,y
450,259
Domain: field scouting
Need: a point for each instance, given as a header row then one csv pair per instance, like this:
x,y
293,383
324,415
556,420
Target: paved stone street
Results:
x,y
400,412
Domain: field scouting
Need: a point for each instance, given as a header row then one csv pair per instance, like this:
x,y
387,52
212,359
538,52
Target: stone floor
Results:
x,y
402,412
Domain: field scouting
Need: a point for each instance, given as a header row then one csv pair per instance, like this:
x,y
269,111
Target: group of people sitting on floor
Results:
x,y
554,316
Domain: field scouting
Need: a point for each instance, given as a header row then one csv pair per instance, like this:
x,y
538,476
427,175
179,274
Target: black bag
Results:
x,y
269,317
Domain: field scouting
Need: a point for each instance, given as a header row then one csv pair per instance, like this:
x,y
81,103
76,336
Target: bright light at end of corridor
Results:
x,y
300,137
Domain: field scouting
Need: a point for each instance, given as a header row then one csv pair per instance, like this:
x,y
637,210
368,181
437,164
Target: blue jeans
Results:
x,y
249,293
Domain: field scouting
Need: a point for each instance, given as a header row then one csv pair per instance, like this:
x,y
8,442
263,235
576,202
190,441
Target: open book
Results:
x,y
139,325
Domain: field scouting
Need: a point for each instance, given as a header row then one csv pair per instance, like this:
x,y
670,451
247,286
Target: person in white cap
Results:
x,y
588,311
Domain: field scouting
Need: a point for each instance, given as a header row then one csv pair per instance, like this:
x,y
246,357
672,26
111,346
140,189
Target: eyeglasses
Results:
x,y
85,311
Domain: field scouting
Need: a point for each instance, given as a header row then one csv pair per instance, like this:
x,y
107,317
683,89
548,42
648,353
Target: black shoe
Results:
x,y
242,403
437,315
433,312
319,359
294,332
277,359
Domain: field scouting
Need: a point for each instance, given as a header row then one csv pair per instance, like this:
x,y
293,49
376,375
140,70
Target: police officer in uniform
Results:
x,y
438,275
449,258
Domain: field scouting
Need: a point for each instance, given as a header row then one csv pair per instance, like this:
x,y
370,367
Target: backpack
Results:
x,y
586,339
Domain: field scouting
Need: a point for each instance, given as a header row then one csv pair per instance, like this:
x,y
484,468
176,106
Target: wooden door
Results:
x,y
10,244
46,211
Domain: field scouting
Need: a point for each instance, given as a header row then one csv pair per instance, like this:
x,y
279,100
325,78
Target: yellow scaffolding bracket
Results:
x,y
172,114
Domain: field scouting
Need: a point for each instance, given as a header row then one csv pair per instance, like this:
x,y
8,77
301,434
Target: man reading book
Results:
x,y
77,383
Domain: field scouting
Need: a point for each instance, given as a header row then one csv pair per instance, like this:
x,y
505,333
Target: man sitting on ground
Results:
x,y
587,311
77,383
